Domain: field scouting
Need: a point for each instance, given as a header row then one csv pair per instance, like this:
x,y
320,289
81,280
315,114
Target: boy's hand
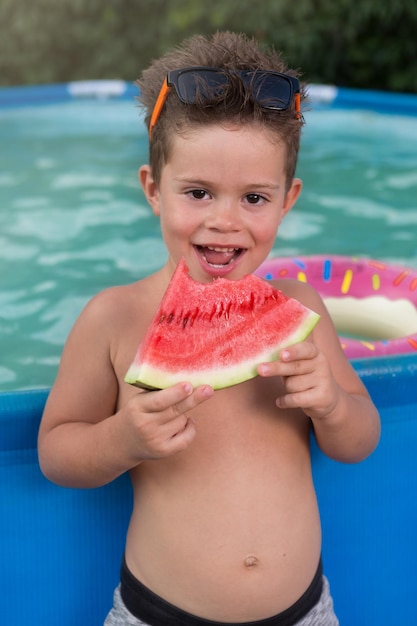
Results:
x,y
307,379
159,422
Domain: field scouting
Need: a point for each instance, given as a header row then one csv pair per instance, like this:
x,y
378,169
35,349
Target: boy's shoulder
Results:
x,y
115,303
140,289
116,296
121,302
303,292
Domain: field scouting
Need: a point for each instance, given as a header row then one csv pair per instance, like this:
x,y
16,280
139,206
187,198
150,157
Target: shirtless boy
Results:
x,y
225,527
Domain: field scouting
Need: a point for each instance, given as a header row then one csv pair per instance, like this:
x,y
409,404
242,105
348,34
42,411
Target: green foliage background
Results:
x,y
370,44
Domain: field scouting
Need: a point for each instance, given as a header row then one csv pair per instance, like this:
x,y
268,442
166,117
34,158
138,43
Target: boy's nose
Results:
x,y
223,216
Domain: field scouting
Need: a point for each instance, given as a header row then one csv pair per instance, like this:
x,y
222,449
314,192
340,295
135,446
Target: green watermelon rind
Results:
x,y
147,377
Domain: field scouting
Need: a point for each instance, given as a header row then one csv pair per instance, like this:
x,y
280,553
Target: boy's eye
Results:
x,y
254,198
198,194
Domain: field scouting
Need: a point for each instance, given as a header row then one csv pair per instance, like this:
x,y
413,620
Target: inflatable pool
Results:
x,y
61,548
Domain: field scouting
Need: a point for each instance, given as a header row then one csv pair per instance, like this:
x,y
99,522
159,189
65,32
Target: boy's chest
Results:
x,y
246,416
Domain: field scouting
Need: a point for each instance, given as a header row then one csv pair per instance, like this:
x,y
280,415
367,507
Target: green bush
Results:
x,y
371,44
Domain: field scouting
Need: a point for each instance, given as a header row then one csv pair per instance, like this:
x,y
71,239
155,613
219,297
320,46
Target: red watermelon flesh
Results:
x,y
217,333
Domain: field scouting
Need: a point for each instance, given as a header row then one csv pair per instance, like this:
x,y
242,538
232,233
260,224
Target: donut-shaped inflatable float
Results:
x,y
373,304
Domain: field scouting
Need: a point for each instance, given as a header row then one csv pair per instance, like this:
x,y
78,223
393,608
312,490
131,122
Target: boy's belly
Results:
x,y
229,530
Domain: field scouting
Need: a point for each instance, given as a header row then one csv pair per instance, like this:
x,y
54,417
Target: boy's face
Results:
x,y
221,198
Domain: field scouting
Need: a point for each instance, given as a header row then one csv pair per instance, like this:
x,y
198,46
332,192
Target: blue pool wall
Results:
x,y
61,548
326,95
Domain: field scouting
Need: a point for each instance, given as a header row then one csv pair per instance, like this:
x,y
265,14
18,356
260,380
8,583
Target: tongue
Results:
x,y
214,257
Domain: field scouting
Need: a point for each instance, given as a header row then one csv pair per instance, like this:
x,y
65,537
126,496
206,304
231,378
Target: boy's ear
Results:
x,y
150,188
292,195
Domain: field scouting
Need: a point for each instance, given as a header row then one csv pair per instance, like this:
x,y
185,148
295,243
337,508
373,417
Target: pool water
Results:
x,y
73,219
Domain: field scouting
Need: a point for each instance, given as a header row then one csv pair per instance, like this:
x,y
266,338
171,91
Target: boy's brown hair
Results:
x,y
224,50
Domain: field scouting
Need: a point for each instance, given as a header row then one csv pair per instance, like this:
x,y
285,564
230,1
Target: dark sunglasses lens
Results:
x,y
194,84
272,91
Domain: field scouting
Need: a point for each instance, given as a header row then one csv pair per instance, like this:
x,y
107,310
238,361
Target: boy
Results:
x,y
225,527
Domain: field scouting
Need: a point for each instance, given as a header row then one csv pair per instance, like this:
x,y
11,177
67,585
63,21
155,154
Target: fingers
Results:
x,y
162,422
307,382
175,401
293,361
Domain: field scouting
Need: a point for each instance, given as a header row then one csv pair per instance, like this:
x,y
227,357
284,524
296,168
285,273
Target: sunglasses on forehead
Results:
x,y
271,90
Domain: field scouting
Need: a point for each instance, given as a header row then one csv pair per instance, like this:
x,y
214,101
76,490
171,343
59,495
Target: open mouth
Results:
x,y
219,257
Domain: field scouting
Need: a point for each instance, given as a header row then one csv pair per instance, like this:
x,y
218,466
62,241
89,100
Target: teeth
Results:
x,y
222,249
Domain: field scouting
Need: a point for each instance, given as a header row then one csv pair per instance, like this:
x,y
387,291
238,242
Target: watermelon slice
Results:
x,y
217,333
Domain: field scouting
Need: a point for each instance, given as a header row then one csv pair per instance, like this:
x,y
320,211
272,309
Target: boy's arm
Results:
x,y
84,439
320,380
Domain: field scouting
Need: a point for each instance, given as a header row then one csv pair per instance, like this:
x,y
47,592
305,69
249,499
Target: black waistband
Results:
x,y
150,608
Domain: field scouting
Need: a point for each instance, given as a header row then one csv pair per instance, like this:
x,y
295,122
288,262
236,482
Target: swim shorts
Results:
x,y
136,605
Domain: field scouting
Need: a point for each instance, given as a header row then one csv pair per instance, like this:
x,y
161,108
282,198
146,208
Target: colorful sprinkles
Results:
x,y
359,278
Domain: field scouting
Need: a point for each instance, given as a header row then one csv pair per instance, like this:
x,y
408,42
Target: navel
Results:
x,y
251,561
